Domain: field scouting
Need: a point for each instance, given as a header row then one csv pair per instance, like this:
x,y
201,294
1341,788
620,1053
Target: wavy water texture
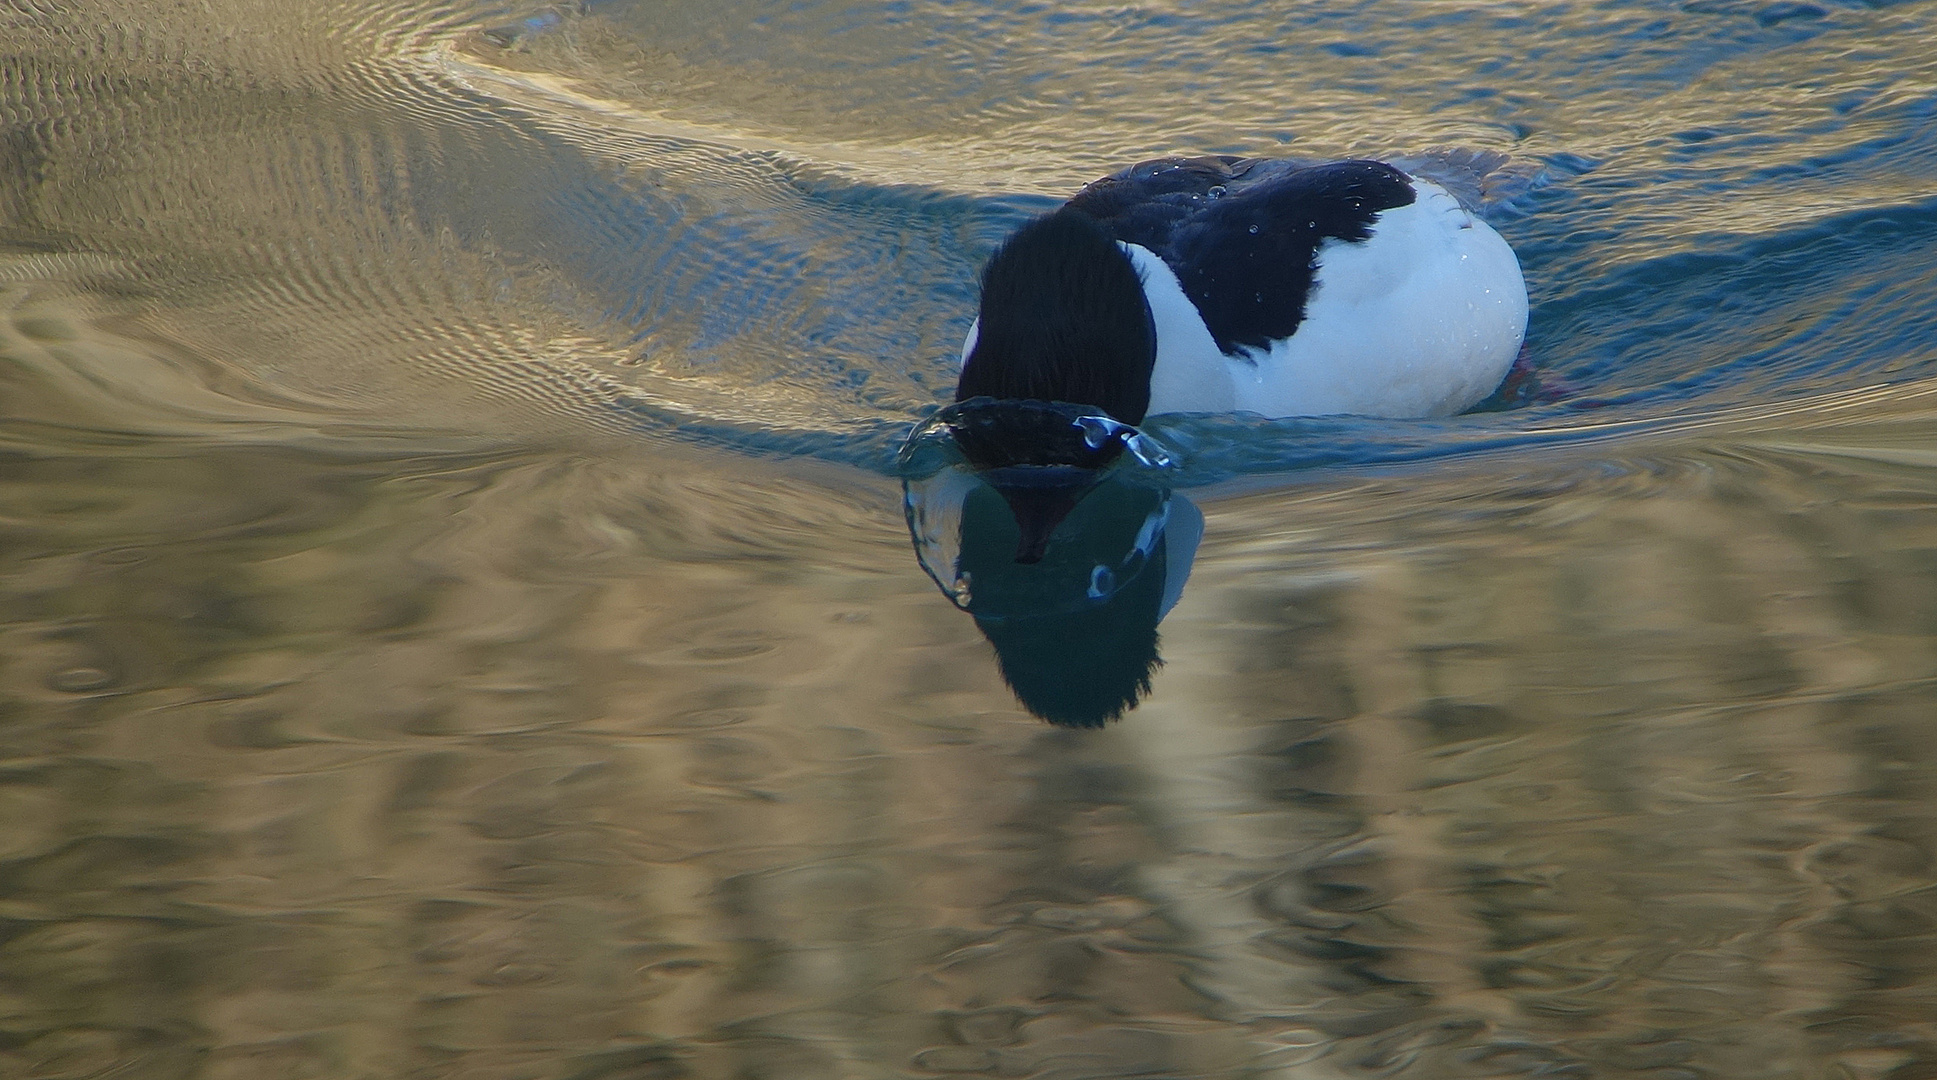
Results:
x,y
579,766
760,228
443,633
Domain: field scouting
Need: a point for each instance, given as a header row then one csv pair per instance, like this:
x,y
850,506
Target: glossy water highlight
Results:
x,y
733,265
444,631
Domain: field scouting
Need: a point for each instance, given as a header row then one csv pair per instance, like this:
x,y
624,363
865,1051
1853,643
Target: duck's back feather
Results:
x,y
1339,287
1423,318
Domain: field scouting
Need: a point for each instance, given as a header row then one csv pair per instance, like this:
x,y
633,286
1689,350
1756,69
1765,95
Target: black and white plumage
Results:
x,y
1220,284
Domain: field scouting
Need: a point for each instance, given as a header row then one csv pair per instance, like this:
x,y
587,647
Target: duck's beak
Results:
x,y
1038,510
1043,457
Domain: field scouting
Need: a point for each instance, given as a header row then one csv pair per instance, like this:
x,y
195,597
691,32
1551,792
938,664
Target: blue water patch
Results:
x,y
1720,206
1833,304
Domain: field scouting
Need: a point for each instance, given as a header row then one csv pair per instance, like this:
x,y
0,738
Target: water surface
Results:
x,y
456,617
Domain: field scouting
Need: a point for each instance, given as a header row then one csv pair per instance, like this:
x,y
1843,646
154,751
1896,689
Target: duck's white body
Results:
x,y
1423,317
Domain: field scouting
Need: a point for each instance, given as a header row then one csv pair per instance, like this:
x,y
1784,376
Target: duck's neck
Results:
x,y
1063,319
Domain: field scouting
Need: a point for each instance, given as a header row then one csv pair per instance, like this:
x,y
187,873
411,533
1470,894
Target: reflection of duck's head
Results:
x,y
1090,656
1076,632
1050,523
1083,668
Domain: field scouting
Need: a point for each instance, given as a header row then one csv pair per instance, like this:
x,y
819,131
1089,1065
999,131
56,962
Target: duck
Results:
x,y
1222,284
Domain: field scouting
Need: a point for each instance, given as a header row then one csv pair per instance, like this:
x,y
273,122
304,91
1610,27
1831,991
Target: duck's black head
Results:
x,y
1063,319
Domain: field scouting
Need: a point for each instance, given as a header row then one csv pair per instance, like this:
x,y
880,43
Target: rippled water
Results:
x,y
457,617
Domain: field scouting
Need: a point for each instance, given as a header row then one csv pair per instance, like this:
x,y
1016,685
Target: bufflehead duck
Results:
x,y
1222,284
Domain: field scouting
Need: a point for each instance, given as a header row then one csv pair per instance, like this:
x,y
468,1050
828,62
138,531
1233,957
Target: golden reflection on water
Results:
x,y
580,766
378,700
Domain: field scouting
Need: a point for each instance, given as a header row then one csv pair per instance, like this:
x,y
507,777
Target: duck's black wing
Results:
x,y
1242,234
1144,203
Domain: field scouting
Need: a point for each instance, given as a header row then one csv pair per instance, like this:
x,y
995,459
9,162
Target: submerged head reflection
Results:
x,y
1067,570
1075,632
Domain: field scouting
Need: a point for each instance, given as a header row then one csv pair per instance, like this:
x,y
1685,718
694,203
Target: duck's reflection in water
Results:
x,y
1074,623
